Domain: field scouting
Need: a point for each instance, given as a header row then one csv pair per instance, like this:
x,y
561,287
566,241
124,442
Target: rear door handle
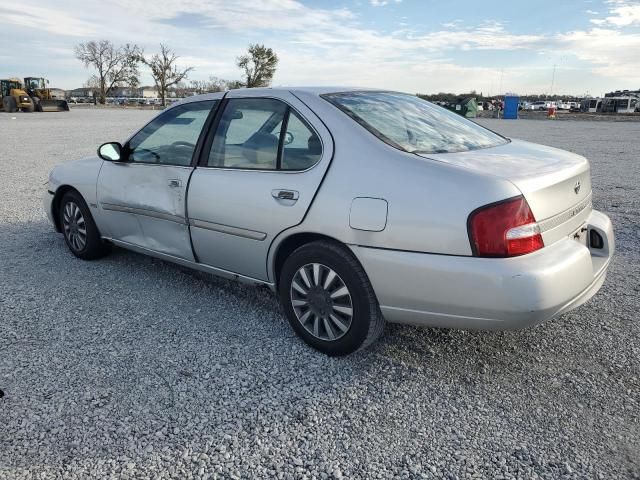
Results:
x,y
175,183
279,194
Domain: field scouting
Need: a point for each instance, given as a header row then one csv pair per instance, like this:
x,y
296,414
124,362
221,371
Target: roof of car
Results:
x,y
267,90
317,90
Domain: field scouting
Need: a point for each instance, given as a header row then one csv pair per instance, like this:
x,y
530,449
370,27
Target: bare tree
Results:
x,y
164,70
199,86
213,84
233,84
114,66
259,65
182,89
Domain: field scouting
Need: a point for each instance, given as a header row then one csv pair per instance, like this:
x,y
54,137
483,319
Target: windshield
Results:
x,y
34,83
409,123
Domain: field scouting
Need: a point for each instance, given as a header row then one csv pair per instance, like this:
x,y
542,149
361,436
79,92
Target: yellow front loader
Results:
x,y
41,96
14,96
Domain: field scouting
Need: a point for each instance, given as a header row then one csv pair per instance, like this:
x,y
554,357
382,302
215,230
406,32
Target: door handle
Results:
x,y
175,183
279,194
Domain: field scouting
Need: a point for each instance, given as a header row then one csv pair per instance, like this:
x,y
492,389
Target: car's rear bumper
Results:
x,y
486,293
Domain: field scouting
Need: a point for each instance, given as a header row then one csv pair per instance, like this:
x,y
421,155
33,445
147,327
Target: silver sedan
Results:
x,y
355,206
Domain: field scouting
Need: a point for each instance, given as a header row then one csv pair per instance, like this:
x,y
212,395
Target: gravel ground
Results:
x,y
132,367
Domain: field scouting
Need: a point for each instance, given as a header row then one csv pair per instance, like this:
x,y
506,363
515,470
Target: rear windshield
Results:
x,y
409,123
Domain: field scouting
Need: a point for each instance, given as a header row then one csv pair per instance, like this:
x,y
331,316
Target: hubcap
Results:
x,y
74,226
321,301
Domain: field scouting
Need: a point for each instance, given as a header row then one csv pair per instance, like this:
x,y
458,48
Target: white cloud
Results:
x,y
623,13
322,45
382,3
612,53
46,19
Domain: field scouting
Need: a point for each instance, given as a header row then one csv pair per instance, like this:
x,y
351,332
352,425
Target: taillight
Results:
x,y
504,229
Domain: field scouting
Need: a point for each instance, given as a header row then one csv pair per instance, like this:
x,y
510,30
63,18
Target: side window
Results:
x,y
171,138
248,135
302,147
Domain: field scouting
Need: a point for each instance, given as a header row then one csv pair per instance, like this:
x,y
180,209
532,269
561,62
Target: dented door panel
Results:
x,y
144,204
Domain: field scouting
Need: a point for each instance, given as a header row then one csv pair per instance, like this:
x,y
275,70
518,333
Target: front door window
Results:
x,y
170,139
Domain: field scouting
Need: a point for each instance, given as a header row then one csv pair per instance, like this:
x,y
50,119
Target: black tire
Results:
x,y
9,104
36,104
93,247
367,322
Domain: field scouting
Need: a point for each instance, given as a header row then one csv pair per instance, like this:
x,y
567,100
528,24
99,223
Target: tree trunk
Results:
x,y
103,93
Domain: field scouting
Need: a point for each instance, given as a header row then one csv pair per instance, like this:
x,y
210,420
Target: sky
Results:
x,y
417,46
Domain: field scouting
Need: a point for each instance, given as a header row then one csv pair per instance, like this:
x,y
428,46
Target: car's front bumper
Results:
x,y
487,293
47,203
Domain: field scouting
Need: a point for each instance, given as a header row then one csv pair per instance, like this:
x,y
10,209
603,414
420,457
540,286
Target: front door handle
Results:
x,y
175,183
279,194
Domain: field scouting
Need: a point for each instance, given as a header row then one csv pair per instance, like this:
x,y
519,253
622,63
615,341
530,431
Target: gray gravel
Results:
x,y
132,367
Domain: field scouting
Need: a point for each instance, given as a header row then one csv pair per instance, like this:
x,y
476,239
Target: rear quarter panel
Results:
x,y
428,202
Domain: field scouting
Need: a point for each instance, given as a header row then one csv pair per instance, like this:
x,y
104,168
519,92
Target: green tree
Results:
x,y
259,65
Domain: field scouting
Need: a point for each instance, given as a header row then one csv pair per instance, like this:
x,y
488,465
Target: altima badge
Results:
x,y
576,187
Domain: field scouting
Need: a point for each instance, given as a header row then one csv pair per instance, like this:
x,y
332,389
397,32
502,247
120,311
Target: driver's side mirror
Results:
x,y
111,152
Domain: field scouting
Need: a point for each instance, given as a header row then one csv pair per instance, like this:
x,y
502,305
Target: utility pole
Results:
x,y
553,79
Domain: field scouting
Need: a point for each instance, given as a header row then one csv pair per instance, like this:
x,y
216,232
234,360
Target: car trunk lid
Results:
x,y
555,183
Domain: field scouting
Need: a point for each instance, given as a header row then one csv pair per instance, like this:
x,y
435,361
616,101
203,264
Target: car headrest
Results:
x,y
261,147
314,144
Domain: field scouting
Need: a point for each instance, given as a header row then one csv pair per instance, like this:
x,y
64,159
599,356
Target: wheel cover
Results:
x,y
321,301
75,228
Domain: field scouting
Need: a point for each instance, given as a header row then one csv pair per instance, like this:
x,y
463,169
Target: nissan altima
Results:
x,y
356,207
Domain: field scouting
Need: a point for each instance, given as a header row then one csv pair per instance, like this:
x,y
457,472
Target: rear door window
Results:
x,y
263,134
247,137
302,146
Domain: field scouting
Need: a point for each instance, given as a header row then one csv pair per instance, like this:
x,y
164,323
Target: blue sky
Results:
x,y
411,45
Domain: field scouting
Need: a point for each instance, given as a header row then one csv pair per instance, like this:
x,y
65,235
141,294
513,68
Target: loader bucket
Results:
x,y
54,105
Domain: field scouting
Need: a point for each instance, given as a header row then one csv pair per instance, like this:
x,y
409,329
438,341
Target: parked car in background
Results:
x,y
567,105
541,105
591,105
355,206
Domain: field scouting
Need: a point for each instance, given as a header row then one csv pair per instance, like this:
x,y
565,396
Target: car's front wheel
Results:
x,y
80,232
328,299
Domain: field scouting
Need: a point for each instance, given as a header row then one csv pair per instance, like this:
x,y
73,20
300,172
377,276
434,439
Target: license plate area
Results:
x,y
581,235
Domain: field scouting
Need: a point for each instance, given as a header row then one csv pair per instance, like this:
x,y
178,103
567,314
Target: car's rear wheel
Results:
x,y
328,299
80,232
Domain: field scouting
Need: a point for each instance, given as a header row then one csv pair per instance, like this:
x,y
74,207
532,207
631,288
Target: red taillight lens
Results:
x,y
504,229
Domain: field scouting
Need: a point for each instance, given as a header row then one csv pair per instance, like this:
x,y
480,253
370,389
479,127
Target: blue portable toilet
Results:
x,y
511,103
